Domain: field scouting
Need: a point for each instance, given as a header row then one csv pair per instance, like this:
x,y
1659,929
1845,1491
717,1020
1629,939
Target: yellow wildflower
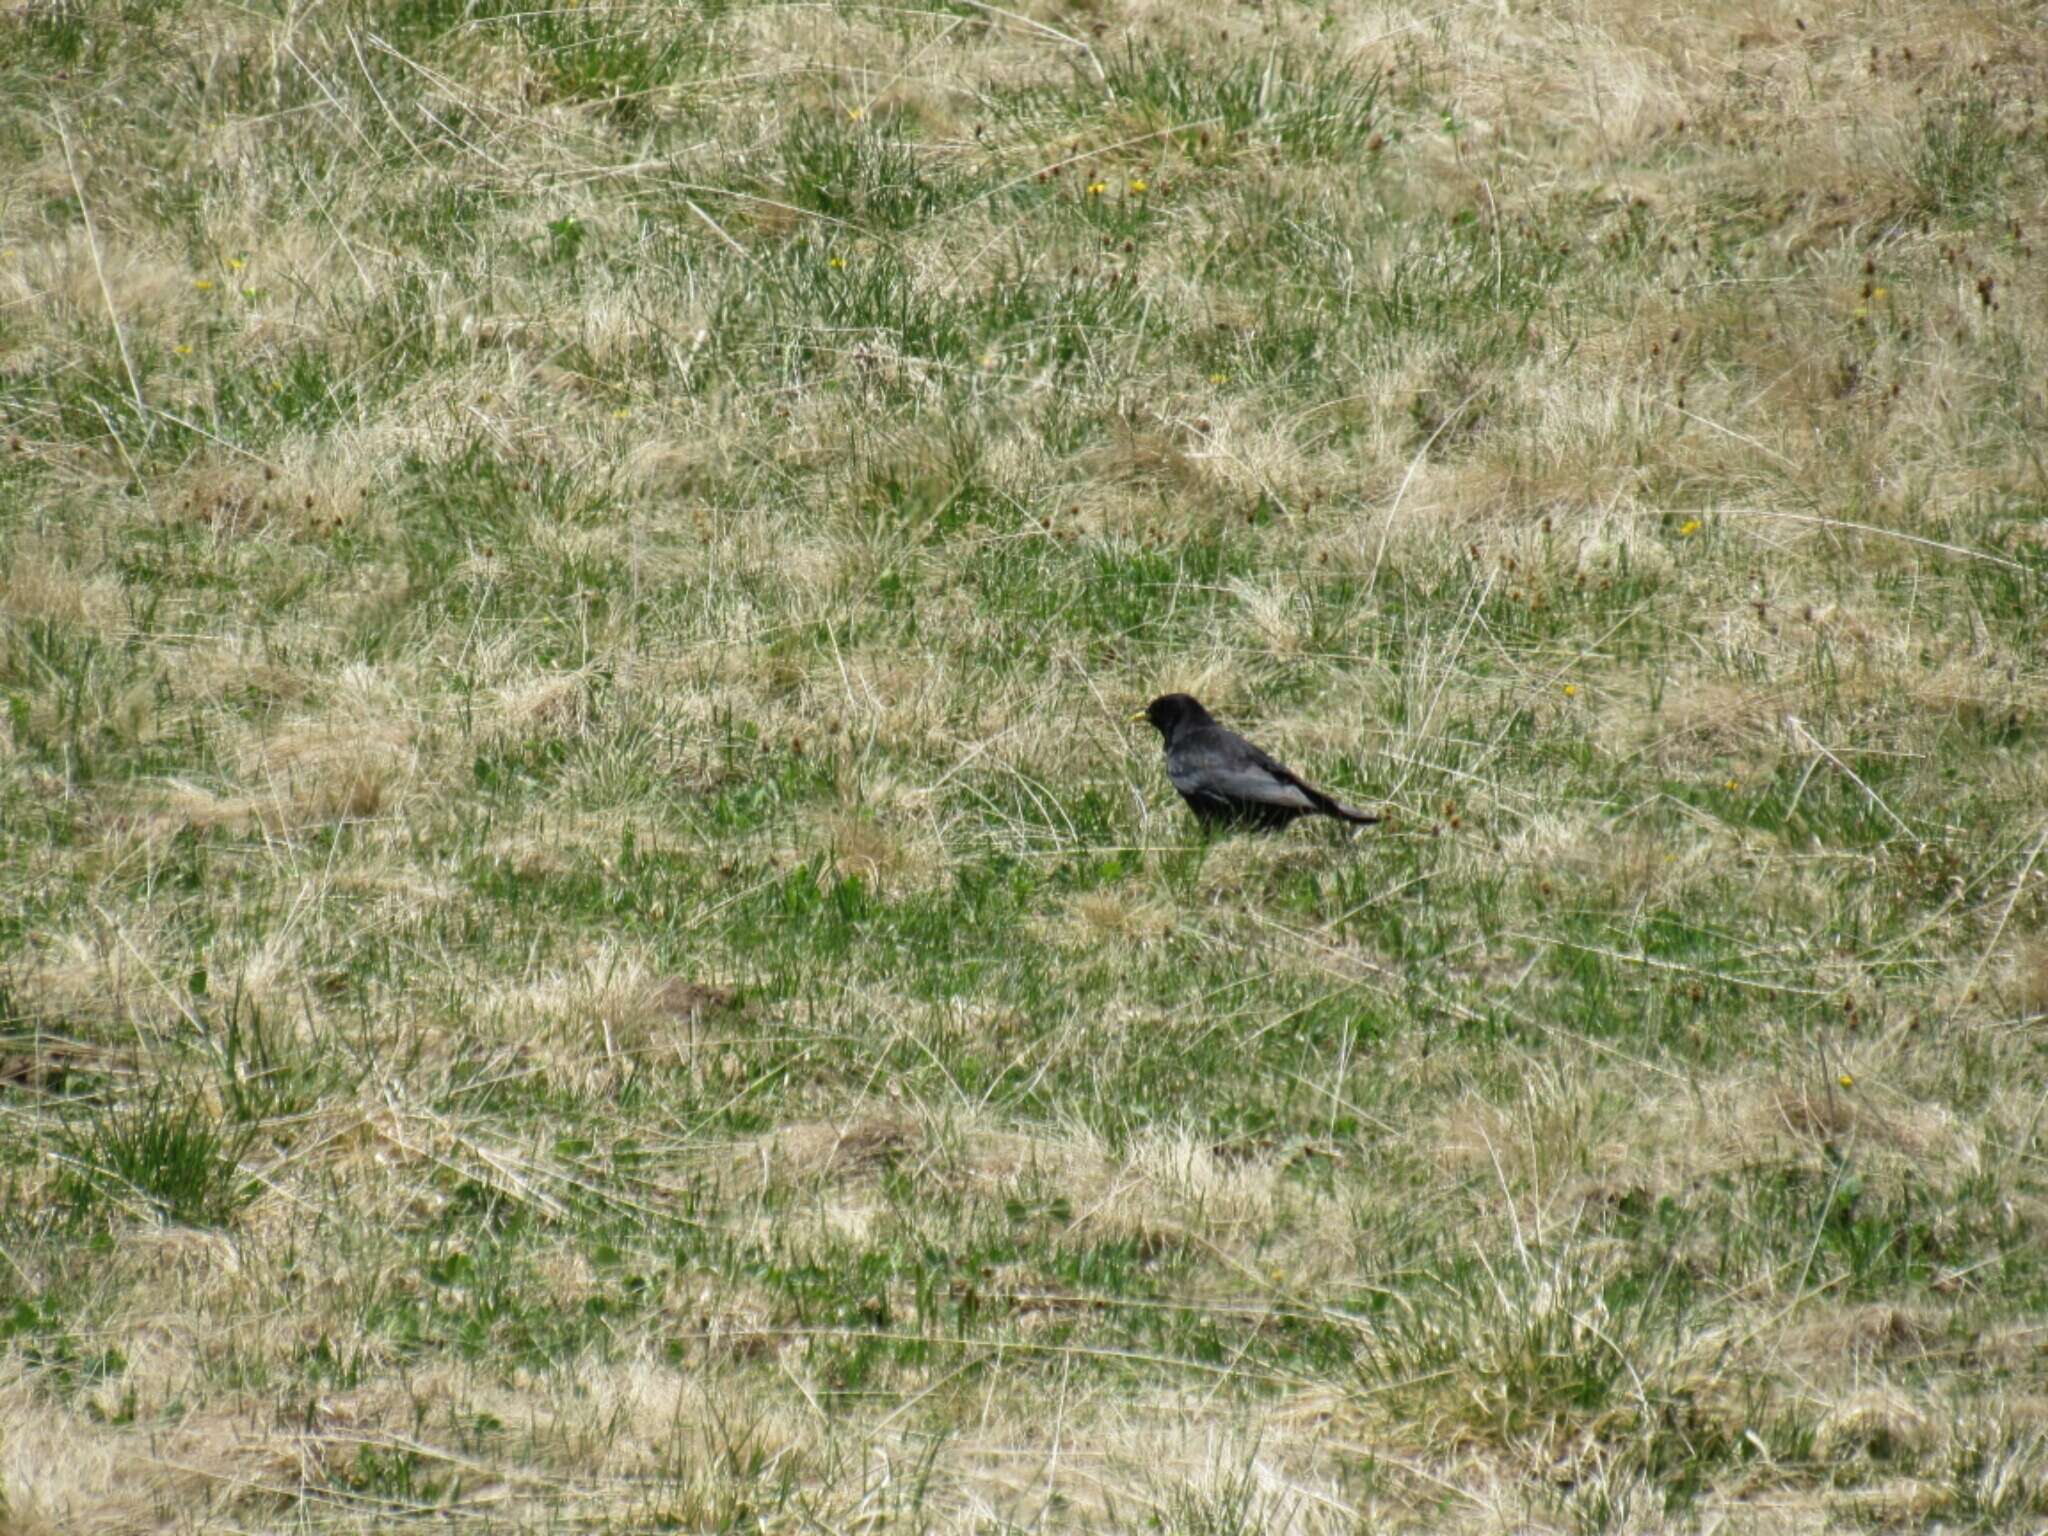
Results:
x,y
1097,188
1571,690
203,284
1138,184
1692,526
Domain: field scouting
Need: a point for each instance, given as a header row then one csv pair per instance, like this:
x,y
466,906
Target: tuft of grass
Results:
x,y
164,1152
1964,154
1310,107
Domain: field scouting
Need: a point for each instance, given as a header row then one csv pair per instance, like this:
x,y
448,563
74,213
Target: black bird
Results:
x,y
1227,781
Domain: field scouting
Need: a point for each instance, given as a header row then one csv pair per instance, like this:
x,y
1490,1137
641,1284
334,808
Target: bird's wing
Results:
x,y
1252,782
1236,770
1314,799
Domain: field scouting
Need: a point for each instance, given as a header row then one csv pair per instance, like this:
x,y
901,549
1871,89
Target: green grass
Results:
x,y
586,943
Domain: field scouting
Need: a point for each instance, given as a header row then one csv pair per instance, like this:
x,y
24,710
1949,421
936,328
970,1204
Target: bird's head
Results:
x,y
1170,711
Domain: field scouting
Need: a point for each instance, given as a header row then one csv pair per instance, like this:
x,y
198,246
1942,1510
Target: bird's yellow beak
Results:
x,y
1137,715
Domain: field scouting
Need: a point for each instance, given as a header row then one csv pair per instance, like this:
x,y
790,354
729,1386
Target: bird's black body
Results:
x,y
1228,782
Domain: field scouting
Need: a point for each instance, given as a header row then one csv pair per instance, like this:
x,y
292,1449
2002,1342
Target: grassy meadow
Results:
x,y
586,943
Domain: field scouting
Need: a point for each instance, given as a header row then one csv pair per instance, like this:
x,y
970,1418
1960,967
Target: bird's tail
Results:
x,y
1332,806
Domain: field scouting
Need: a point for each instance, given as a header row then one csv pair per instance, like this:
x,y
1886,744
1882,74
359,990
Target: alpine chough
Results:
x,y
1228,782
